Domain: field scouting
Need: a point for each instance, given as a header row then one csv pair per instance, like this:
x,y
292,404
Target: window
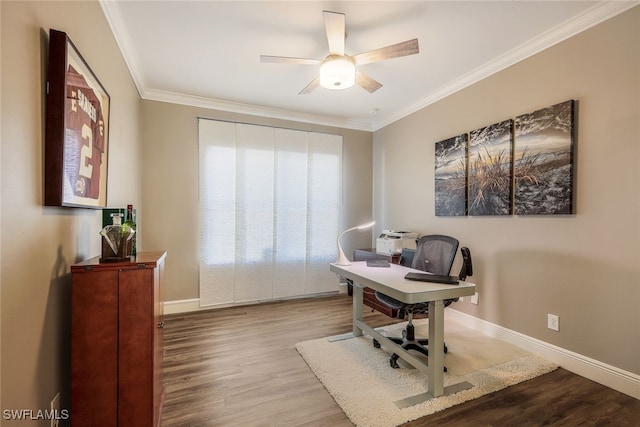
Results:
x,y
270,203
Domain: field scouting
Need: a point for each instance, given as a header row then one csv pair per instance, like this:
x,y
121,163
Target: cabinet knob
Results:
x,y
161,325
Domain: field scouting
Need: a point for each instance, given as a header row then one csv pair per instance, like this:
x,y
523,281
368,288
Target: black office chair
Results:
x,y
435,254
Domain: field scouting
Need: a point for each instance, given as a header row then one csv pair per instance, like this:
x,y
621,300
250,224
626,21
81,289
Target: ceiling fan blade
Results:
x,y
409,47
289,60
310,87
334,24
367,82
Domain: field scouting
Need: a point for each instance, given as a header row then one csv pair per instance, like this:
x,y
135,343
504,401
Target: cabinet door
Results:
x,y
137,327
94,348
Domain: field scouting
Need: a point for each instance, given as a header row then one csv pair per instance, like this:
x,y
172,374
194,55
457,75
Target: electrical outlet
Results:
x,y
55,410
474,298
553,322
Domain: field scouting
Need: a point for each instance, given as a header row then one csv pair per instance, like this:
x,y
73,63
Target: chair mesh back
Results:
x,y
435,254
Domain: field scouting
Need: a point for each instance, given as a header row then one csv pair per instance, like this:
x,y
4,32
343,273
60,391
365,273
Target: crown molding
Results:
x,y
118,28
123,40
582,22
591,17
253,110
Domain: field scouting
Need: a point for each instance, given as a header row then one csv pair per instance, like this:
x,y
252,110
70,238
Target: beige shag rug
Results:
x,y
359,377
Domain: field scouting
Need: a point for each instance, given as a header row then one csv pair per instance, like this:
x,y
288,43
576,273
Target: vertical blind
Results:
x,y
270,203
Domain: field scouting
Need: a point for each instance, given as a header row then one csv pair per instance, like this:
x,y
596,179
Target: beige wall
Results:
x,y
170,180
39,243
583,267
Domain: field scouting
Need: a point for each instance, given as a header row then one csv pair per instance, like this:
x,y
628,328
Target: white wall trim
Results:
x,y
582,22
600,372
191,305
254,110
119,30
181,306
598,13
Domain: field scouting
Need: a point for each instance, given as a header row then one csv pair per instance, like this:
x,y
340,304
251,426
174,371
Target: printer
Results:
x,y
392,242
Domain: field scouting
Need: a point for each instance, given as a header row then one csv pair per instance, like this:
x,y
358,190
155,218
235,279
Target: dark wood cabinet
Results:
x,y
116,342
369,295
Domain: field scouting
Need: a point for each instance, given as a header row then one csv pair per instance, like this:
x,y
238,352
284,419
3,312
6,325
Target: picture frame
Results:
x,y
76,129
544,161
451,176
490,169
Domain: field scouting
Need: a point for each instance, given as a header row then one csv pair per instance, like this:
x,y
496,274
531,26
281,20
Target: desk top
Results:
x,y
391,281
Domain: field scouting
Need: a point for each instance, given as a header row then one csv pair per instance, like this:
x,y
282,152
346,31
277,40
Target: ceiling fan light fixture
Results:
x,y
338,70
337,73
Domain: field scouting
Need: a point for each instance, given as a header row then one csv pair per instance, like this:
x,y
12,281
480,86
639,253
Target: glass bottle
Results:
x,y
117,237
130,224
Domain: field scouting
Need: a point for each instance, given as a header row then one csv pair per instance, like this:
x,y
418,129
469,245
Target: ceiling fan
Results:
x,y
339,71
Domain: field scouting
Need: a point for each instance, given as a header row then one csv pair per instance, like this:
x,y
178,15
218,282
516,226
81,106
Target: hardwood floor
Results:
x,y
238,367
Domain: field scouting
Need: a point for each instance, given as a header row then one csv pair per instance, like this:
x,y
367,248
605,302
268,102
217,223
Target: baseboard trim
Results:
x,y
193,304
181,306
600,372
607,375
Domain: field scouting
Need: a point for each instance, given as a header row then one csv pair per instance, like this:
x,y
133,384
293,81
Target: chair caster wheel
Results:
x,y
376,344
446,350
393,361
445,369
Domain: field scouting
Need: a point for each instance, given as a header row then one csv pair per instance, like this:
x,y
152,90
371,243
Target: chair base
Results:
x,y
408,342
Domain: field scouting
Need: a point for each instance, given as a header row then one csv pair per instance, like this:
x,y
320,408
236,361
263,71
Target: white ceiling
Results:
x,y
206,53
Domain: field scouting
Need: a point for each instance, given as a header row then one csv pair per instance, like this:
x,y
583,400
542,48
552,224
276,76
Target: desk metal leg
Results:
x,y
435,368
436,349
358,296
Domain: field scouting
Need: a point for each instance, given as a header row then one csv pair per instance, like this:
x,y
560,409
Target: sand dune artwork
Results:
x,y
489,186
543,161
451,176
521,166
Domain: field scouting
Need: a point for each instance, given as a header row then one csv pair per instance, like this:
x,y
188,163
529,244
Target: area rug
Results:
x,y
362,383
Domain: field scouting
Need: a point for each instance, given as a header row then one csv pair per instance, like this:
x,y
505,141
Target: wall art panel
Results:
x,y
490,169
543,161
451,176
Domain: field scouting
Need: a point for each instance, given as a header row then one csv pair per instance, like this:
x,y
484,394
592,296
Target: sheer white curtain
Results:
x,y
270,202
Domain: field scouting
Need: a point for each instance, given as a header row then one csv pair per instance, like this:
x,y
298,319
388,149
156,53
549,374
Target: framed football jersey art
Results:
x,y
77,129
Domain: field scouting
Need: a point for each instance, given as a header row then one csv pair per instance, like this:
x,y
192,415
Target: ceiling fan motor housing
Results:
x,y
337,72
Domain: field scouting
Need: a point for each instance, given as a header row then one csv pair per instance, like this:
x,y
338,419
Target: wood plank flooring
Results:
x,y
238,367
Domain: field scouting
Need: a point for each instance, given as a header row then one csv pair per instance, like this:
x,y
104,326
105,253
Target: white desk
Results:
x,y
391,281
